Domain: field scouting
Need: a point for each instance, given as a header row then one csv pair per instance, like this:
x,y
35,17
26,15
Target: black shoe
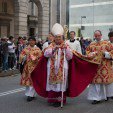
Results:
x,y
107,99
57,104
30,98
111,97
95,102
50,104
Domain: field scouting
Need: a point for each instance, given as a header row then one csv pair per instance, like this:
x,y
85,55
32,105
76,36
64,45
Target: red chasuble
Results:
x,y
81,73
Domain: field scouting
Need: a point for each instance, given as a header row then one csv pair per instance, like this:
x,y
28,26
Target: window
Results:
x,y
4,7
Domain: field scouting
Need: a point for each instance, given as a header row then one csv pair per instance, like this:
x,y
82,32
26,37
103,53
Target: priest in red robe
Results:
x,y
62,72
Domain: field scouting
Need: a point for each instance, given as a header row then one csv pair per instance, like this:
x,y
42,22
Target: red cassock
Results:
x,y
80,75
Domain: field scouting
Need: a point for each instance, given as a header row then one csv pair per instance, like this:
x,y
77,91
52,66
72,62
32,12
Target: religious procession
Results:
x,y
60,70
56,56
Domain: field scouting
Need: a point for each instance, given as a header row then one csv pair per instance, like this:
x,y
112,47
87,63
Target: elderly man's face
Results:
x,y
98,35
58,39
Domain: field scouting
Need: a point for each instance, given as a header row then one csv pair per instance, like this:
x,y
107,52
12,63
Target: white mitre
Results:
x,y
57,29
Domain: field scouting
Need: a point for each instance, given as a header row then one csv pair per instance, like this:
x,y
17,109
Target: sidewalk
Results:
x,y
9,73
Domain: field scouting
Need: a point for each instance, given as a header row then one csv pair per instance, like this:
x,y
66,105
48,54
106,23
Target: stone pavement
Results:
x,y
13,100
9,73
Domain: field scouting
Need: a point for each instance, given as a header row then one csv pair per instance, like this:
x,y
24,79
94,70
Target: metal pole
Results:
x,y
81,27
60,10
93,17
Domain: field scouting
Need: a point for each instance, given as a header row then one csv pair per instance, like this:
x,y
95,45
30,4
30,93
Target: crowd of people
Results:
x,y
7,53
10,51
59,68
10,48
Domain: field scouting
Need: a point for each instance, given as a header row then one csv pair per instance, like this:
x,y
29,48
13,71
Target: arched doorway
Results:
x,y
34,23
22,24
43,17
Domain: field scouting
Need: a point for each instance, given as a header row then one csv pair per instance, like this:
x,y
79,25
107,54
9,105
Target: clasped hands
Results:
x,y
59,46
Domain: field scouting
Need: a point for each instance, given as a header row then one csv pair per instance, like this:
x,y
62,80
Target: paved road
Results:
x,y
12,100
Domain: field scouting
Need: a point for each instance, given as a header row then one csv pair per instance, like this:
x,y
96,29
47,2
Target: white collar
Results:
x,y
33,47
99,41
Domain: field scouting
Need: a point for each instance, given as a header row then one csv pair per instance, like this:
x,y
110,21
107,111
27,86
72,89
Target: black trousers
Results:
x,y
11,60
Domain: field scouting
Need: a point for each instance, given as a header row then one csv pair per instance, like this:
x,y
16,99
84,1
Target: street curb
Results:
x,y
9,73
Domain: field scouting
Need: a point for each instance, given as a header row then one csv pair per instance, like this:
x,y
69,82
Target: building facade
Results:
x,y
91,15
30,17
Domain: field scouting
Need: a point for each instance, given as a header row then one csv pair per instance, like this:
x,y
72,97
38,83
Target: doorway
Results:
x,y
32,32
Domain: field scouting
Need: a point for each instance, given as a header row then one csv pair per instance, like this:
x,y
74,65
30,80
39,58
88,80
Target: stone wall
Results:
x,y
21,9
46,16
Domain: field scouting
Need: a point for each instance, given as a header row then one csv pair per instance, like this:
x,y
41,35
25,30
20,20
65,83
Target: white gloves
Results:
x,y
107,55
92,53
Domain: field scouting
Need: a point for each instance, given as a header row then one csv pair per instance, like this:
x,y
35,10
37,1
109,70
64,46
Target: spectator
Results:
x,y
4,54
82,45
20,47
11,50
39,43
110,35
0,54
